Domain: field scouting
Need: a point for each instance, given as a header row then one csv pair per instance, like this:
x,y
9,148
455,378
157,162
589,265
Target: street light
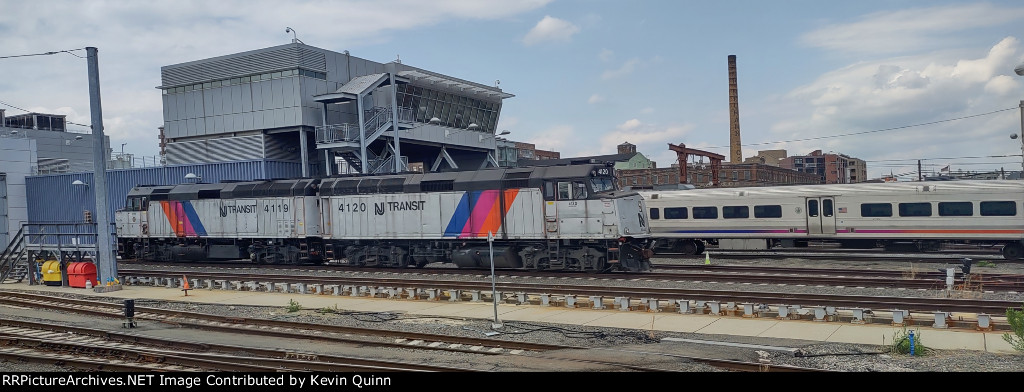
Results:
x,y
192,177
79,183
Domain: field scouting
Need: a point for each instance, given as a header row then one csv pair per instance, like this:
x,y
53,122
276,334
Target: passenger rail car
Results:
x,y
924,214
569,218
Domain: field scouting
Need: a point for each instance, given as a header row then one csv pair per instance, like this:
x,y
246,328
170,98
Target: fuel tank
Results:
x,y
480,257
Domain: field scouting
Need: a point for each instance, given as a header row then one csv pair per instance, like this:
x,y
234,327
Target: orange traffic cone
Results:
x,y
185,286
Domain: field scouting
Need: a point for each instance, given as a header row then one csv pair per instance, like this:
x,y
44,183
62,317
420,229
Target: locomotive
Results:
x,y
916,215
560,218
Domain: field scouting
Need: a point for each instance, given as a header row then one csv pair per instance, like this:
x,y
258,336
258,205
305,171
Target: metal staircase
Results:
x,y
14,264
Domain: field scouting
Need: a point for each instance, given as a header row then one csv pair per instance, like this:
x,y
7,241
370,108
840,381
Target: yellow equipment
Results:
x,y
51,273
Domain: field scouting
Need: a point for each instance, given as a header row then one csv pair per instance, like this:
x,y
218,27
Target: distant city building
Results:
x,y
767,157
831,168
509,153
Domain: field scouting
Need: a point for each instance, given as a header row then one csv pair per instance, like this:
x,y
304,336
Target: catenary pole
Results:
x,y
106,262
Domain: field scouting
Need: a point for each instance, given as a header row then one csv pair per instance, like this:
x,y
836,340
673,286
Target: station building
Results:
x,y
317,107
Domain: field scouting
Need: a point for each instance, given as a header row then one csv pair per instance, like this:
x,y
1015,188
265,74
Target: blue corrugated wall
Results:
x,y
53,198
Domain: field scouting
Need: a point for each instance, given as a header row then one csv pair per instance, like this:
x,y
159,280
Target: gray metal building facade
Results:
x,y
299,103
55,198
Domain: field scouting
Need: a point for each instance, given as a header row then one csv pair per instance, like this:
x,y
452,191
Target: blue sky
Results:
x,y
589,75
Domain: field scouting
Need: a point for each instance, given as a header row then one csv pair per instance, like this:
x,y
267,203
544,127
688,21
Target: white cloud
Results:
x,y
595,99
629,125
885,99
557,138
625,69
647,110
605,55
649,138
550,29
911,29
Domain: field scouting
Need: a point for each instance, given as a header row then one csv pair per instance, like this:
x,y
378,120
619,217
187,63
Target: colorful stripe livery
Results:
x,y
775,231
479,213
934,231
857,231
183,218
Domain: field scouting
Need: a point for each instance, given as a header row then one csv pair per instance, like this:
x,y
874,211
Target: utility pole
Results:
x,y
106,262
919,170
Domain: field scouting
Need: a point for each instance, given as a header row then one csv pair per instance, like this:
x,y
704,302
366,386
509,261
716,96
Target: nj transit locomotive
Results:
x,y
569,218
924,215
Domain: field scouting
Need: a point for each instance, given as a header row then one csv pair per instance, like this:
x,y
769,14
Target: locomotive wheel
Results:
x,y
700,247
1013,251
688,247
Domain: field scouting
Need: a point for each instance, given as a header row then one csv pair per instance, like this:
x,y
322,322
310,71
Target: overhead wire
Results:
x,y
876,130
69,51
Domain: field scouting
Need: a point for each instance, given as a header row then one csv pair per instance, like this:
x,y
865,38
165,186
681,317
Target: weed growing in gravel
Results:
x,y
985,263
293,306
901,343
1016,320
329,310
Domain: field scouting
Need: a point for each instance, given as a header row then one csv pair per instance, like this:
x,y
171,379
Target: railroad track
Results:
x,y
930,279
434,287
97,349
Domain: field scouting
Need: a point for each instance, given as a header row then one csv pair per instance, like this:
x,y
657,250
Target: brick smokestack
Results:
x,y
735,152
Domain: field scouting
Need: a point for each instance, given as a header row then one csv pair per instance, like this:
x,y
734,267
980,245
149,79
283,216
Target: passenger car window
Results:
x,y
875,209
956,208
675,213
915,209
655,213
705,212
998,208
773,211
735,212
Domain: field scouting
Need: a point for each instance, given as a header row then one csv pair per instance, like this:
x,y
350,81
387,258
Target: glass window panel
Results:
x,y
826,207
432,109
735,212
998,208
655,214
876,209
956,208
276,74
915,209
564,191
705,212
245,79
812,208
676,213
770,211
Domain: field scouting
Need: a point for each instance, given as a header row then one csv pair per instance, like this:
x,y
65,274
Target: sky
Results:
x,y
889,82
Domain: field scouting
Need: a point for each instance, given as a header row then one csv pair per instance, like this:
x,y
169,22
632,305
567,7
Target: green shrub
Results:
x,y
1016,320
293,306
901,343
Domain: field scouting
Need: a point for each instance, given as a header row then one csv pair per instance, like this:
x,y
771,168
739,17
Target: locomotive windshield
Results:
x,y
602,184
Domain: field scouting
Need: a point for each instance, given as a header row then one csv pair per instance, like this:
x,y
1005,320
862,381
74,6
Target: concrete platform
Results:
x,y
839,332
